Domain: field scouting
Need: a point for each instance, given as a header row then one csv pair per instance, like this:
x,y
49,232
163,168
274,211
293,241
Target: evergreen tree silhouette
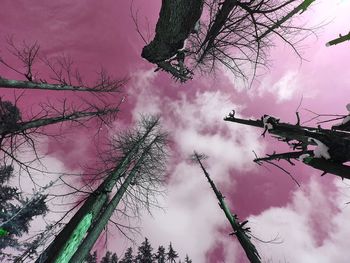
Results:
x,y
16,212
92,258
187,259
171,254
160,256
144,254
128,257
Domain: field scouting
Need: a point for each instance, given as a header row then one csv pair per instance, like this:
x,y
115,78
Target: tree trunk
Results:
x,y
176,21
93,205
20,84
237,227
93,234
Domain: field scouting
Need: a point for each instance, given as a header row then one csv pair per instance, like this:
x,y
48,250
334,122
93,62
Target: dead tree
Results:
x,y
17,132
139,173
230,32
338,40
177,19
63,74
332,147
239,229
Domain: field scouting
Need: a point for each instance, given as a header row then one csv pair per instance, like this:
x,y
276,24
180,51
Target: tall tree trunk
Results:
x,y
37,123
93,234
237,227
93,204
20,84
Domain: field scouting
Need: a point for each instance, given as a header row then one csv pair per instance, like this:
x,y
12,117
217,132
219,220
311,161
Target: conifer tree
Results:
x,y
16,212
171,254
109,258
144,254
160,256
92,258
187,259
128,256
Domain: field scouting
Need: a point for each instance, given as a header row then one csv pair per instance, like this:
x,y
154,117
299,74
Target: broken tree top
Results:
x,y
332,146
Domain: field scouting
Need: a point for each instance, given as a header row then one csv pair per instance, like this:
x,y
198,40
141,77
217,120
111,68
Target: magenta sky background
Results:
x,y
311,221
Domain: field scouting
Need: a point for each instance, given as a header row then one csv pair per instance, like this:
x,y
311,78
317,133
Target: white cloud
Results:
x,y
192,217
284,89
313,227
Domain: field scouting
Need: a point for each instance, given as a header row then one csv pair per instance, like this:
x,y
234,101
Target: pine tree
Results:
x,y
187,259
171,254
16,212
160,255
92,258
107,257
144,254
114,258
128,257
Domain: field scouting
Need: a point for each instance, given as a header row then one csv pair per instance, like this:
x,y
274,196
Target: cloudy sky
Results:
x,y
309,223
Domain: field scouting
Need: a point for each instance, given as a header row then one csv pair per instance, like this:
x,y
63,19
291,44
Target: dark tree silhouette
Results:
x,y
160,256
92,258
338,40
144,254
109,258
231,32
239,229
187,259
331,146
171,254
128,257
16,212
64,76
137,175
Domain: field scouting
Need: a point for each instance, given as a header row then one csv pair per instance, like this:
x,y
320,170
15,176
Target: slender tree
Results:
x,y
187,259
160,256
128,256
144,254
16,212
92,258
141,154
171,254
17,132
109,258
339,40
239,229
64,76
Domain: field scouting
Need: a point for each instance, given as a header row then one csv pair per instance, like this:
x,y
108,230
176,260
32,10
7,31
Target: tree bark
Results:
x,y
93,233
93,204
176,21
20,84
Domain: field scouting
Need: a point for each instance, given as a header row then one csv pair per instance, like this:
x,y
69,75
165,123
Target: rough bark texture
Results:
x,y
338,143
93,233
176,21
93,204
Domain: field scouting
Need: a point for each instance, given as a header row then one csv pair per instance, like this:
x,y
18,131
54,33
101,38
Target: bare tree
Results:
x,y
63,74
239,229
331,146
338,40
18,130
141,155
230,32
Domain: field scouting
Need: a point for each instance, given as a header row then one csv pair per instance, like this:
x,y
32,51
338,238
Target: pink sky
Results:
x,y
310,220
